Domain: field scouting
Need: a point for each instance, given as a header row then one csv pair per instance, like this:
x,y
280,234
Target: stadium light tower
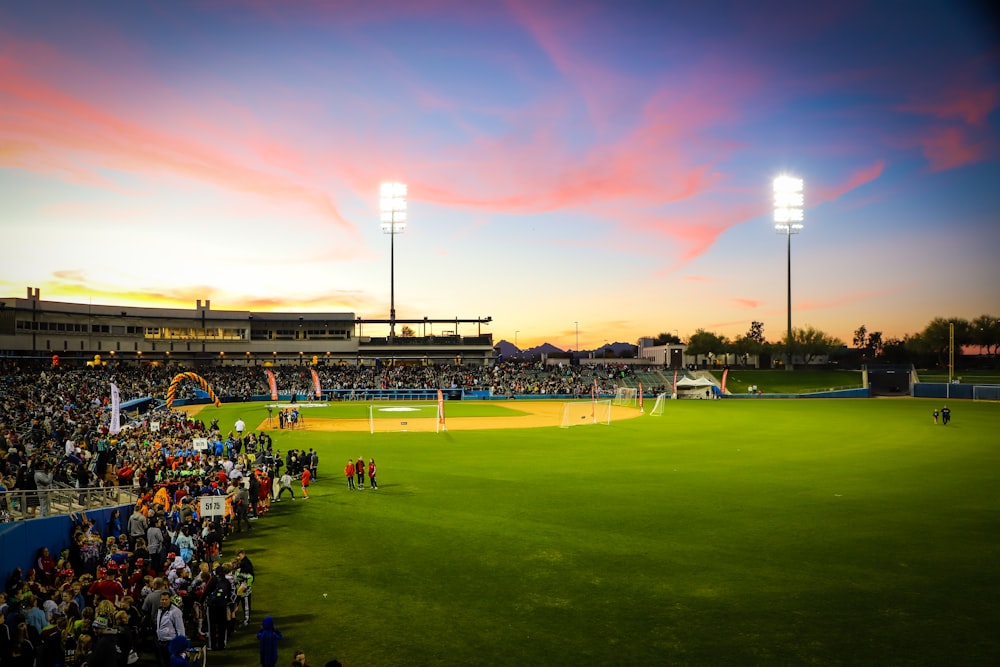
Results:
x,y
789,201
392,204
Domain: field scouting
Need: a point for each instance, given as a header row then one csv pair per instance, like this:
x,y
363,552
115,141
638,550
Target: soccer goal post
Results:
x,y
661,401
986,392
627,397
580,413
409,418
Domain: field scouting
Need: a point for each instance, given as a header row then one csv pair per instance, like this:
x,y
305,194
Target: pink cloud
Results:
x,y
858,178
748,304
951,147
971,105
60,133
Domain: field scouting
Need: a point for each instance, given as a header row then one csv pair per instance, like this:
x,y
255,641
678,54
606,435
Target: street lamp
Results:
x,y
789,201
392,204
515,337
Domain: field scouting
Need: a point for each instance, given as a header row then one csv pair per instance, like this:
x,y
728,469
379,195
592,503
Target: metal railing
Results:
x,y
20,505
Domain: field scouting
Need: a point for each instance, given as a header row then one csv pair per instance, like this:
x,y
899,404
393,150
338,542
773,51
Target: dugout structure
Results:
x,y
890,380
582,413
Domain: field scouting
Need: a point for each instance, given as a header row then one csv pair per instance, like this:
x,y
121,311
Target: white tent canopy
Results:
x,y
694,382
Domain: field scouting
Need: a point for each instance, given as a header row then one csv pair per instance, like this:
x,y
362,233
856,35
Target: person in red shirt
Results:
x,y
371,473
45,567
359,468
107,587
349,473
306,477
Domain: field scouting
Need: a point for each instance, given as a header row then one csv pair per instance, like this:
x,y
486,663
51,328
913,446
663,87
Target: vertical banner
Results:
x,y
725,374
441,409
272,384
115,426
319,392
673,393
593,401
640,398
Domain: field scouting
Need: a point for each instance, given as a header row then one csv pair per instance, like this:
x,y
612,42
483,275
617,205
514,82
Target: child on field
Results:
x,y
268,638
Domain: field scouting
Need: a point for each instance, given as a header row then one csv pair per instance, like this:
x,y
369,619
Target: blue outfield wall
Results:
x,y
942,390
860,392
21,540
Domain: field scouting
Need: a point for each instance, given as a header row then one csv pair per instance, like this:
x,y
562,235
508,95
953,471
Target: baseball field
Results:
x,y
729,532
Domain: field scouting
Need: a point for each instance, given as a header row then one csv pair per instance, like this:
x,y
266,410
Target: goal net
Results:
x,y
661,401
627,396
986,392
416,417
580,413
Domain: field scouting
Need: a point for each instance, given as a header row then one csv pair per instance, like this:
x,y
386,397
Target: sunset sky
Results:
x,y
572,165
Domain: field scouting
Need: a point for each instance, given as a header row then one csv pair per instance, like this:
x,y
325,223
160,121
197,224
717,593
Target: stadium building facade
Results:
x,y
74,334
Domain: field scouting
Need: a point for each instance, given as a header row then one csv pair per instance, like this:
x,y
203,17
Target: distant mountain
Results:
x,y
510,351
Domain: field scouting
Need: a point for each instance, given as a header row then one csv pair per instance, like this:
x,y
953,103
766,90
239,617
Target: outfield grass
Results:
x,y
790,382
722,533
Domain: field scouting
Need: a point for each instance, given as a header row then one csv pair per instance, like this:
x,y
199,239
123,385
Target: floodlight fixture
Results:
x,y
392,208
789,202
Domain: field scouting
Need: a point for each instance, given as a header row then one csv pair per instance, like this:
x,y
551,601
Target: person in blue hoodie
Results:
x,y
182,655
268,638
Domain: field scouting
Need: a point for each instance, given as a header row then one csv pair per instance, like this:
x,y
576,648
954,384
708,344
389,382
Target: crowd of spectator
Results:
x,y
128,586
159,573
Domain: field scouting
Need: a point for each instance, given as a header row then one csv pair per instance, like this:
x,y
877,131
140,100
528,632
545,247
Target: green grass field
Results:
x,y
831,532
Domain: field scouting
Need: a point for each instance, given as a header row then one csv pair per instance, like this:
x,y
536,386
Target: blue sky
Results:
x,y
601,163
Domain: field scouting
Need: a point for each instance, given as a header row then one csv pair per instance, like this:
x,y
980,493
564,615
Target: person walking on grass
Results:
x,y
268,638
359,468
349,473
945,415
306,477
371,473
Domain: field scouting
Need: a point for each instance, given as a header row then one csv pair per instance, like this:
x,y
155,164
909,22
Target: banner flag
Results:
x,y
640,398
674,392
319,392
116,425
272,384
441,409
725,374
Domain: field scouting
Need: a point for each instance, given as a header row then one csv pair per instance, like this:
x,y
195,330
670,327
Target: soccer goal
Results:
x,y
661,401
580,413
986,392
627,397
410,418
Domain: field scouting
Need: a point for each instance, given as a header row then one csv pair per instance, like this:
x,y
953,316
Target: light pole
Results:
x,y
789,201
515,337
577,324
392,204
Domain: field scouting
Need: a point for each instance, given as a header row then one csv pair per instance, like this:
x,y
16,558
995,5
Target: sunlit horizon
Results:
x,y
575,170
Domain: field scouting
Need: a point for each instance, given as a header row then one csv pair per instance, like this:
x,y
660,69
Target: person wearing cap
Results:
x,y
169,624
106,587
105,643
